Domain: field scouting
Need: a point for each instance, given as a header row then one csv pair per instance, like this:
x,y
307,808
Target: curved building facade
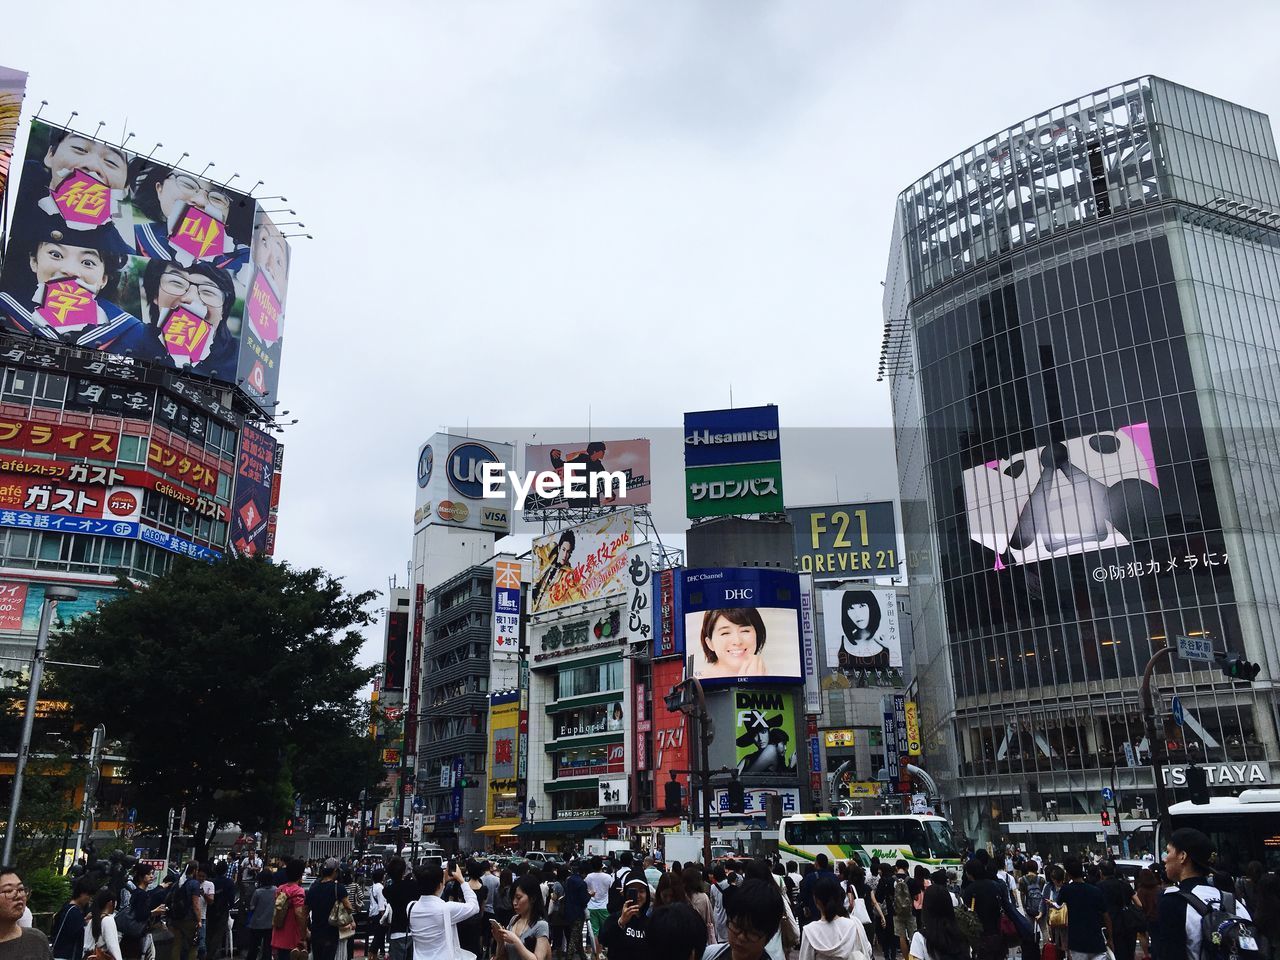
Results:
x,y
1083,340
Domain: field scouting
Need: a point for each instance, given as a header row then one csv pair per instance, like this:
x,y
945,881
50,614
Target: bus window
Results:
x,y
914,836
941,843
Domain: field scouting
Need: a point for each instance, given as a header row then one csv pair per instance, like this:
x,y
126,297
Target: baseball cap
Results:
x,y
331,865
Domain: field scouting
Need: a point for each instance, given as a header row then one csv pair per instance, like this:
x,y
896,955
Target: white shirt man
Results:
x,y
433,923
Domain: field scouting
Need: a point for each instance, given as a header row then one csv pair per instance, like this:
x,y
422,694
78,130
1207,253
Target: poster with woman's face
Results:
x,y
860,628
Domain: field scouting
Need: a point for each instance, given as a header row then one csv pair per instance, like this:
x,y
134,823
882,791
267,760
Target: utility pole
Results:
x,y
52,595
1155,744
688,698
90,790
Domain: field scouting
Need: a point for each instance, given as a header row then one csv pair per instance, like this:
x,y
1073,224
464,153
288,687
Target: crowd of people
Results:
x,y
633,908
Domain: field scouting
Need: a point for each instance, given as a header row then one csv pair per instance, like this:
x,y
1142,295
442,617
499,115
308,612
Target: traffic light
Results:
x,y
737,796
464,782
288,827
1106,818
1240,669
1198,784
672,798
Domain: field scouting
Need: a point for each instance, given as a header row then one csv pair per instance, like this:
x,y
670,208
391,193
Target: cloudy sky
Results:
x,y
534,215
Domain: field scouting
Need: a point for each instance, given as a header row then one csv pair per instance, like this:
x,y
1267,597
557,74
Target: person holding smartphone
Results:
x,y
527,936
433,923
623,934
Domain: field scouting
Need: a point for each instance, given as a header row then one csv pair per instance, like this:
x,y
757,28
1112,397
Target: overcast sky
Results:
x,y
525,210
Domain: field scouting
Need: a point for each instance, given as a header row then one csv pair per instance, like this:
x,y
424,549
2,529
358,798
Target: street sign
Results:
x,y
1177,711
1196,648
1107,794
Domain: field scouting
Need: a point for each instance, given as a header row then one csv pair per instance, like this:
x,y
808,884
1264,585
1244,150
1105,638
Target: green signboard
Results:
x,y
734,489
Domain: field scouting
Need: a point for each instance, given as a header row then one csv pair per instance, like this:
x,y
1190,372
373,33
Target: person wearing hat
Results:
x,y
75,274
623,934
770,741
1187,858
322,896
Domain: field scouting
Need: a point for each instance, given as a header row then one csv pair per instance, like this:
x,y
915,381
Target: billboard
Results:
x,y
251,499
860,631
273,516
13,84
756,801
117,252
397,647
732,462
1084,493
506,609
60,499
741,625
450,489
266,280
671,748
640,594
583,562
846,541
630,457
504,721
765,731
13,599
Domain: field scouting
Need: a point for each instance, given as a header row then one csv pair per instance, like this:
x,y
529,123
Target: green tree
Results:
x,y
225,684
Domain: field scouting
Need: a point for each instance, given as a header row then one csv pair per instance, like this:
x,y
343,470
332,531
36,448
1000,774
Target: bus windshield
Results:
x,y
1238,837
940,840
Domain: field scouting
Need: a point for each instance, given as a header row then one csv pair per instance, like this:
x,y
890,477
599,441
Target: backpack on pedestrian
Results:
x,y
1033,897
178,901
1223,935
615,889
902,900
280,912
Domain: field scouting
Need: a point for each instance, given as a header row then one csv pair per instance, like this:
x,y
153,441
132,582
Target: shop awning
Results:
x,y
544,828
659,823
496,829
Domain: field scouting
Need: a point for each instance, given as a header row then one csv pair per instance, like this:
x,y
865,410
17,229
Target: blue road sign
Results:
x,y
1107,794
1177,711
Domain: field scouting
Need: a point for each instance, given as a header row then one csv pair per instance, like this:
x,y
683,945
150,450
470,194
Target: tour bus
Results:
x,y
922,839
1241,829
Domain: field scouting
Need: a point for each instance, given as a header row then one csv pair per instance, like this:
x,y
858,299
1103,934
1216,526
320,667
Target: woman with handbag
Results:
x,y
379,915
331,915
834,936
101,938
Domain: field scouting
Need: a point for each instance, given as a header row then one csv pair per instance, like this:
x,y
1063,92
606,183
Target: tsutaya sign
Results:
x,y
1222,774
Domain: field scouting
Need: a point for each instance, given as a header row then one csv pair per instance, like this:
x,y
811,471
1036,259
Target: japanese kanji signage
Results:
x,y
251,502
506,609
584,562
639,627
56,438
273,517
182,466
13,599
732,462
70,499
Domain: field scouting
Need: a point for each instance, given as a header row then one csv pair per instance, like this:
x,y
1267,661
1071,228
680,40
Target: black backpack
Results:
x,y
178,901
620,878
1223,935
133,921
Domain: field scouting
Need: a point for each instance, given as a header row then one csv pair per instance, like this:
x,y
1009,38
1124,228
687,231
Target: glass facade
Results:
x,y
1080,313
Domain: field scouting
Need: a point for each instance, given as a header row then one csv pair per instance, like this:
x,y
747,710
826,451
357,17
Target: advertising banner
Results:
x,y
506,609
846,541
397,648
765,731
615,793
640,595
503,729
671,749
273,516
756,804
742,625
732,462
668,639
630,457
13,85
912,719
266,282
590,762
59,499
835,739
889,737
92,475
64,440
451,484
13,599
186,467
860,629
118,252
580,563
251,499
563,637
597,718
415,668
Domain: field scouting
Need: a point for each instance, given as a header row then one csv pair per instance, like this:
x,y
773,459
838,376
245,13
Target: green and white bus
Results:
x,y
923,840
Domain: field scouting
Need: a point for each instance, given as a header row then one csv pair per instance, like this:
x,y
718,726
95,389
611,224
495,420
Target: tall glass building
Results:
x,y
1082,335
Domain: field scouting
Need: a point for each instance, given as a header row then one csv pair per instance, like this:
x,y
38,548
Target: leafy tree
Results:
x,y
228,686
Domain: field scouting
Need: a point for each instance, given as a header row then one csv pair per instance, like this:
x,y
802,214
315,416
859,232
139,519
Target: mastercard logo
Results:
x,y
453,510
122,504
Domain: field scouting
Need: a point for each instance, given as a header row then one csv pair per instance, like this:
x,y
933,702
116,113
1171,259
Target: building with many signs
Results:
x,y
138,386
1081,340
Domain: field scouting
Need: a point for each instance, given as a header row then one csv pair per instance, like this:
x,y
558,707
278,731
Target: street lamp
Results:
x,y
52,594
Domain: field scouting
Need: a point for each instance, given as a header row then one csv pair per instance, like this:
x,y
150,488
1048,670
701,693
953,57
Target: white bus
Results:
x,y
923,840
1241,829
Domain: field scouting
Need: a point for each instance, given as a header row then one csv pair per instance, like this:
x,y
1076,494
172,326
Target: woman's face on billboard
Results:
x,y
733,644
54,260
860,615
100,160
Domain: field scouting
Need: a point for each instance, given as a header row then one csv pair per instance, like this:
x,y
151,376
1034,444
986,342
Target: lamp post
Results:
x,y
52,594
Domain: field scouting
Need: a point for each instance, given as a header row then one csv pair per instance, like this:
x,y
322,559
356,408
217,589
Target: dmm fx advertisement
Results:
x,y
120,253
765,731
585,562
732,462
846,541
451,484
741,625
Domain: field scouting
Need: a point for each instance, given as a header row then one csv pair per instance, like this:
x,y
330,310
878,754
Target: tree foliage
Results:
x,y
227,686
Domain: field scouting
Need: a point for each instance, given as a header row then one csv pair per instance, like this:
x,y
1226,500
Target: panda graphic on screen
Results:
x,y
1070,496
